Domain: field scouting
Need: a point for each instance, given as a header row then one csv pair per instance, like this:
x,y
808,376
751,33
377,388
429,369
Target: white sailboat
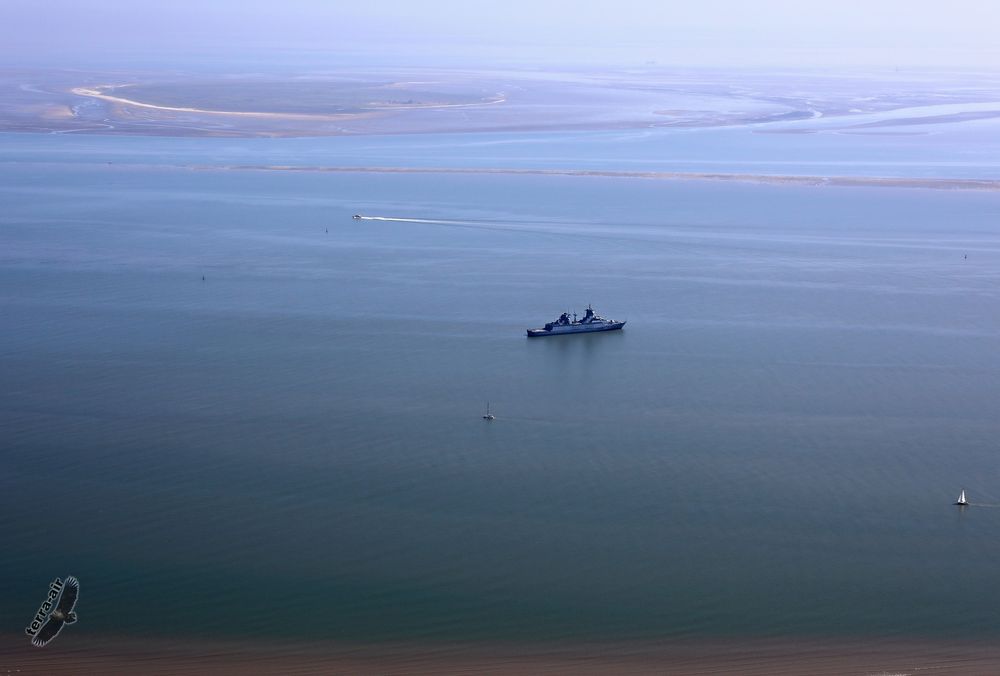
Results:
x,y
489,416
962,502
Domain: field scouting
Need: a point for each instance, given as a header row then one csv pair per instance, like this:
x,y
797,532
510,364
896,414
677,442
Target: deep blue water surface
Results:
x,y
807,379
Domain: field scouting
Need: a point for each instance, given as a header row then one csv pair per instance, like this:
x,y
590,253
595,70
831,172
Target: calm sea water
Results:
x,y
293,448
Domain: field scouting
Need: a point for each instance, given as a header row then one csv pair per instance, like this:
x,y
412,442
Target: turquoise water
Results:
x,y
771,446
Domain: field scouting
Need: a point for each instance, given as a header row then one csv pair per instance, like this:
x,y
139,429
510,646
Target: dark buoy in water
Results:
x,y
203,278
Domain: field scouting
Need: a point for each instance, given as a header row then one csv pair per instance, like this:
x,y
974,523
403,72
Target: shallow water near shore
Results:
x,y
292,448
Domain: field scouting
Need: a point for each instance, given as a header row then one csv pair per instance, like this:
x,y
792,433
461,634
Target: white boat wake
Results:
x,y
411,220
458,223
552,228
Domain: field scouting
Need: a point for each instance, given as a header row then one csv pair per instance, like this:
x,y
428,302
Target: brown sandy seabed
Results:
x,y
114,656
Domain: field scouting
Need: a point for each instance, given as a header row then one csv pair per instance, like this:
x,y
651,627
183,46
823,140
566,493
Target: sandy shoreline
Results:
x,y
844,181
82,653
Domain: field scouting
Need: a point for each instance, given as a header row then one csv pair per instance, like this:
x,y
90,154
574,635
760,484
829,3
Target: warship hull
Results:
x,y
562,330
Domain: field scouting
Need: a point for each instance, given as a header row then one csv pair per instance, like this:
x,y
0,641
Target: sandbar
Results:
x,y
843,181
97,93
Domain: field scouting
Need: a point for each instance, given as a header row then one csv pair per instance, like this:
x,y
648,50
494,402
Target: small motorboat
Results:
x,y
356,217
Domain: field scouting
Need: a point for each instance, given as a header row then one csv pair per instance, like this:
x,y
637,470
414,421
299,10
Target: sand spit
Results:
x,y
113,656
98,93
847,181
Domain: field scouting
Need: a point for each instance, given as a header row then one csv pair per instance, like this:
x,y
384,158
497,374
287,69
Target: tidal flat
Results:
x,y
345,102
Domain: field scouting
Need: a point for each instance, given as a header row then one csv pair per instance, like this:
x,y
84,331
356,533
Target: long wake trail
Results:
x,y
547,228
432,221
480,224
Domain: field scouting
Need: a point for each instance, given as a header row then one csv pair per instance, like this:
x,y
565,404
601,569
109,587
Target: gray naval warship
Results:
x,y
591,322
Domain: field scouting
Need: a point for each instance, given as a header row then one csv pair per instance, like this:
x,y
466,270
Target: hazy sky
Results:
x,y
694,32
